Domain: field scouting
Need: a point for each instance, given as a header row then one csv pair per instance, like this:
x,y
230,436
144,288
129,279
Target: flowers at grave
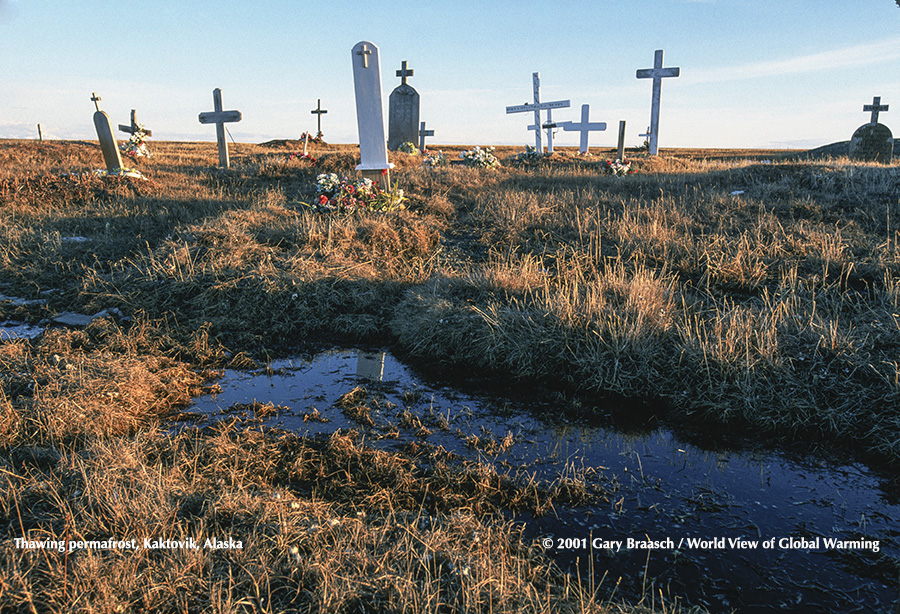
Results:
x,y
340,195
318,140
531,154
433,160
300,157
136,146
617,167
480,158
409,148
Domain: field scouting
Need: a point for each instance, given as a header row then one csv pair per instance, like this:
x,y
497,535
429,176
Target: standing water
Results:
x,y
749,531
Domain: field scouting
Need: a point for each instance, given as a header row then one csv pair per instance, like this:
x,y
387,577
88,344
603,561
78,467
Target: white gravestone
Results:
x,y
657,73
422,134
318,111
403,112
220,118
370,112
537,106
107,139
583,127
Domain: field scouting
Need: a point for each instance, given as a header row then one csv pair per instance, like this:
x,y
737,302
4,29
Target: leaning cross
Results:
x,y
537,106
134,128
657,73
106,137
403,73
584,127
422,134
318,111
220,118
875,107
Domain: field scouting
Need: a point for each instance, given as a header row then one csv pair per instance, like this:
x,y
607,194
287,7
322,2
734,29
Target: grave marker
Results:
x,y
583,127
875,107
134,126
646,135
657,73
220,118
318,111
422,134
370,113
403,113
107,139
537,106
620,150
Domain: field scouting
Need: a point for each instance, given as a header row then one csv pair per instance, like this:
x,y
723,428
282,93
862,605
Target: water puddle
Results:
x,y
750,531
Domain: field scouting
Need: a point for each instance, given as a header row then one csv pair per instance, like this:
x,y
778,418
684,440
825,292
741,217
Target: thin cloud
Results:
x,y
857,55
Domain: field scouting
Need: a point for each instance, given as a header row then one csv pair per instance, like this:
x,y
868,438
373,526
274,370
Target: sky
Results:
x,y
754,73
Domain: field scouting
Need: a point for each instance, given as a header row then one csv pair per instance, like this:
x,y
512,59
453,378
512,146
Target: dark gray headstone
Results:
x,y
872,143
403,116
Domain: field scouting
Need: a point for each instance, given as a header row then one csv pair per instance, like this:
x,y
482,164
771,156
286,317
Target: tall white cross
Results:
x,y
657,73
875,107
220,118
537,106
583,127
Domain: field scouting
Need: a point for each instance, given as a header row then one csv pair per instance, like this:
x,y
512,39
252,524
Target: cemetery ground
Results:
x,y
738,294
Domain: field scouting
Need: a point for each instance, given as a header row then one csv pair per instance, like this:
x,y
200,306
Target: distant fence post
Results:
x,y
40,135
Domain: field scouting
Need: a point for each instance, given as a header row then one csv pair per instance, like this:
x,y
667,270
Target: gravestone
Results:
x,y
422,134
583,127
220,118
317,111
620,149
873,142
403,114
537,106
107,139
370,113
134,127
657,73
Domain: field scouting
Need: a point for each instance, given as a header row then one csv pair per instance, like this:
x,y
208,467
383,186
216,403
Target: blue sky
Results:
x,y
754,73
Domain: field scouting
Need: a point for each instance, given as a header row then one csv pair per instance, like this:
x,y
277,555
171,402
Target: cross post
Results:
x,y
403,73
537,106
318,111
584,127
657,73
875,107
96,100
133,128
220,118
422,134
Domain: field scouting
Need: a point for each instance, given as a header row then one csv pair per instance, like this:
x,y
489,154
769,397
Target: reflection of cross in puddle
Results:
x,y
370,365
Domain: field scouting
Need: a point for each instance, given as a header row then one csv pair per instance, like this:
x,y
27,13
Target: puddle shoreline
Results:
x,y
667,489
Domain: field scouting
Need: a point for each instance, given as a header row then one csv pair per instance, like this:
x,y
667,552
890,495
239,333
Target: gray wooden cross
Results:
x,y
537,106
647,134
220,118
365,52
107,139
875,107
422,134
318,111
583,127
657,73
403,73
134,126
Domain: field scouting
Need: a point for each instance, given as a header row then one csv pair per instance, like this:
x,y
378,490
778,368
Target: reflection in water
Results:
x,y
659,487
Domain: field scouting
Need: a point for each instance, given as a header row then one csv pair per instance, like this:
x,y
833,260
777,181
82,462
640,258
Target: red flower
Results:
x,y
383,171
323,200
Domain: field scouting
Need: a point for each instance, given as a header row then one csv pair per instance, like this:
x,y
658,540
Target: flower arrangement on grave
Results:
x,y
301,156
318,140
340,195
136,145
408,148
531,154
433,160
617,167
480,158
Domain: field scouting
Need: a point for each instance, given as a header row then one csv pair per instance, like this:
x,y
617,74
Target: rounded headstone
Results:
x,y
872,143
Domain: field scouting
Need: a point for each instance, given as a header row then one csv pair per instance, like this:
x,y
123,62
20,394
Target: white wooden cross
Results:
x,y
657,73
403,73
318,111
422,134
370,113
583,127
107,139
875,107
134,126
537,106
220,118
646,135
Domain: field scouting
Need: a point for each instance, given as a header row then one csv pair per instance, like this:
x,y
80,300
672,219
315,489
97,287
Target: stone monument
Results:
x,y
107,139
370,113
873,142
403,113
